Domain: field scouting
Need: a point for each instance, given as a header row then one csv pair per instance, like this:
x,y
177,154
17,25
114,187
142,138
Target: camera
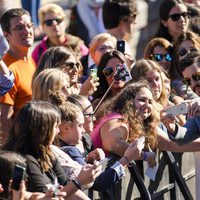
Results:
x,y
122,73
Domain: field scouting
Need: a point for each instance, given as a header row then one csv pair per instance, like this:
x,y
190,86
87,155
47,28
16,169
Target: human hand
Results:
x,y
168,120
134,150
89,86
1,188
49,195
194,109
96,154
89,173
151,158
18,194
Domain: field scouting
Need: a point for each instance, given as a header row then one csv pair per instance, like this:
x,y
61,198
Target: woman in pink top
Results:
x,y
119,122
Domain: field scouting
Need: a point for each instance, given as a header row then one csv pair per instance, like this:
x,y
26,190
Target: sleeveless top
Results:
x,y
96,138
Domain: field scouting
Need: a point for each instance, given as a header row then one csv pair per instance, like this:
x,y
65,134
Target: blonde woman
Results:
x,y
53,23
47,81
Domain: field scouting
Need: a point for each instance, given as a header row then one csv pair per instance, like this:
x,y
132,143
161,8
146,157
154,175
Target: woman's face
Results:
x,y
113,62
185,47
72,68
88,116
155,81
144,102
101,49
162,56
178,20
53,25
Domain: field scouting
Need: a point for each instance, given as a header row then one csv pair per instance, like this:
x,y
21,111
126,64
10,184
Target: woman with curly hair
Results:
x,y
119,122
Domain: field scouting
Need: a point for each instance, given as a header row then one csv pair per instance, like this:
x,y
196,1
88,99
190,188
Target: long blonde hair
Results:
x,y
47,81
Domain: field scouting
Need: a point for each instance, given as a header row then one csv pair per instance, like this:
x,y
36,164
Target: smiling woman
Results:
x,y
174,19
53,23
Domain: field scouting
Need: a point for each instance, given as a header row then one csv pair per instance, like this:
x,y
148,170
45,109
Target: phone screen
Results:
x,y
121,46
18,176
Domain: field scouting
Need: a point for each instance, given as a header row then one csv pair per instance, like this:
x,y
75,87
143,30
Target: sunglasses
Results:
x,y
196,77
159,57
104,48
175,17
184,51
71,65
49,22
107,71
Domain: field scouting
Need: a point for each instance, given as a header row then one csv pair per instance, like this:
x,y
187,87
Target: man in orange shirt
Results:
x,y
18,30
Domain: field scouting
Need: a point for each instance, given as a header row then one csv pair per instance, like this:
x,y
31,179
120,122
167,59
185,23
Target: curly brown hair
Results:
x,y
123,104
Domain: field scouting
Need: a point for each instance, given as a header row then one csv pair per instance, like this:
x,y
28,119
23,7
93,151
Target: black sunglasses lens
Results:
x,y
182,52
48,22
107,71
175,17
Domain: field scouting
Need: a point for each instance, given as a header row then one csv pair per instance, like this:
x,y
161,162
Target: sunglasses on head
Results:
x,y
196,77
159,57
49,22
175,17
184,51
107,71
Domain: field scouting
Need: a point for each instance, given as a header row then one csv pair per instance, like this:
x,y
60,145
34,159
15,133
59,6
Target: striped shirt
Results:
x,y
6,83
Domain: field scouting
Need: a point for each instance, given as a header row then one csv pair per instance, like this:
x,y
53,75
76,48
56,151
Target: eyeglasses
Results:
x,y
107,71
49,22
175,17
23,27
90,116
184,51
104,48
159,57
71,65
196,77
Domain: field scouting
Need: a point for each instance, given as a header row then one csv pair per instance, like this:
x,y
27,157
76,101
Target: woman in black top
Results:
x,y
32,133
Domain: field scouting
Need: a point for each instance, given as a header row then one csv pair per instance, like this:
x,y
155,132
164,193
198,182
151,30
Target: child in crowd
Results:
x,y
71,131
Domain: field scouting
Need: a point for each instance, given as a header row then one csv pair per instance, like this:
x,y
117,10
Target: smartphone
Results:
x,y
179,109
93,72
121,46
122,73
18,176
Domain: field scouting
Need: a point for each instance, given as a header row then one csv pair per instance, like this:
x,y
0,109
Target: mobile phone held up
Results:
x,y
121,46
18,176
179,109
93,73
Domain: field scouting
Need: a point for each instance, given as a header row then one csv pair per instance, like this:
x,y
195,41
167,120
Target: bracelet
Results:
x,y
144,155
77,183
126,159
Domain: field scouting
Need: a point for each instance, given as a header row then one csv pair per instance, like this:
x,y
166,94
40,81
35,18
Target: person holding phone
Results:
x,y
105,72
34,143
71,132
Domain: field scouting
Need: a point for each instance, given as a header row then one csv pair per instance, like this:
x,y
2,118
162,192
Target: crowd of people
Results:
x,y
78,101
